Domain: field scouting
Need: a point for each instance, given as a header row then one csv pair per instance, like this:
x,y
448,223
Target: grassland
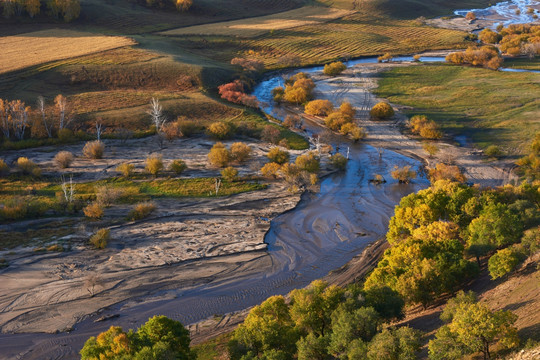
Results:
x,y
490,107
51,45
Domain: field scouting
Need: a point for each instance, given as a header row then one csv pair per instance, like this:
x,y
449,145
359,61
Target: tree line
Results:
x,y
68,10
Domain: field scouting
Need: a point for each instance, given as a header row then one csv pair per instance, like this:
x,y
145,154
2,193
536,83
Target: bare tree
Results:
x,y
5,117
19,118
68,189
91,282
156,113
99,129
41,109
61,105
218,184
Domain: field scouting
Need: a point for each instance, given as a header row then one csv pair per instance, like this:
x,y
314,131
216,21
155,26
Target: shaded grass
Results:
x,y
490,107
214,348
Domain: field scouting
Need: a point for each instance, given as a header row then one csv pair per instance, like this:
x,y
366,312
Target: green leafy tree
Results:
x,y
503,262
395,344
347,326
473,328
387,302
313,347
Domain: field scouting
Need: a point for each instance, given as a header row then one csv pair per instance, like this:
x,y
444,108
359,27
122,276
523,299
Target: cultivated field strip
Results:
x,y
260,25
51,45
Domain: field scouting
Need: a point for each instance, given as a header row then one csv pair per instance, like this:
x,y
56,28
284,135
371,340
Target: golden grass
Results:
x,y
308,15
24,50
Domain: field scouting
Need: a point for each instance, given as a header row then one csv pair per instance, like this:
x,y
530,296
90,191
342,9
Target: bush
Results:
x,y
100,239
28,167
292,122
219,156
94,149
240,152
424,127
334,68
319,107
338,161
219,130
63,159
382,111
187,127
430,148
229,174
486,56
271,170
154,165
66,135
171,131
403,174
178,166
108,195
488,36
470,16
502,263
493,151
386,57
94,211
309,162
141,211
4,168
446,172
347,109
270,134
126,169
336,120
278,156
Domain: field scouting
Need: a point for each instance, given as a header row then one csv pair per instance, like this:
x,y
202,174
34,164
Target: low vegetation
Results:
x,y
141,211
382,111
100,239
334,69
485,56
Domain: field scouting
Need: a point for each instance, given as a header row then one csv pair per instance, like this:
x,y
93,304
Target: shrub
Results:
x,y
219,130
386,57
403,174
229,174
424,127
154,165
417,57
171,131
308,162
284,143
446,172
178,166
357,133
347,109
493,151
502,263
66,135
94,149
187,127
278,156
486,56
488,36
338,161
141,211
382,111
292,122
270,170
108,195
126,169
319,107
4,168
336,120
219,156
28,167
430,148
240,152
100,239
270,134
63,159
334,68
94,210
470,16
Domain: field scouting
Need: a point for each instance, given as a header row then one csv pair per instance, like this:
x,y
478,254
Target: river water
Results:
x,y
506,13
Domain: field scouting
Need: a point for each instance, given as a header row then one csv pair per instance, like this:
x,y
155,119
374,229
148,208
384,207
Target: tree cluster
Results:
x,y
68,10
235,92
485,56
426,128
437,233
529,165
342,120
516,39
334,69
159,338
326,322
180,5
298,89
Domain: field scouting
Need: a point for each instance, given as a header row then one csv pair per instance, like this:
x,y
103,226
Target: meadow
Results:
x,y
490,107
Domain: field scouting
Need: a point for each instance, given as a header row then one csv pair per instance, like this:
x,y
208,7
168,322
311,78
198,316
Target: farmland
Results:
x,y
51,45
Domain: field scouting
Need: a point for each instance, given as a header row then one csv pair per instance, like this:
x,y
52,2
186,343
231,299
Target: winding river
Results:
x,y
325,231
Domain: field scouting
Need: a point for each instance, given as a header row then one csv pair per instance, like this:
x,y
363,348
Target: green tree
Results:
x,y
311,308
347,326
395,344
503,262
387,302
278,156
313,347
473,328
308,162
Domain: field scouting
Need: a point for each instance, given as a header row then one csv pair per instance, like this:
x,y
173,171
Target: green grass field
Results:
x,y
490,107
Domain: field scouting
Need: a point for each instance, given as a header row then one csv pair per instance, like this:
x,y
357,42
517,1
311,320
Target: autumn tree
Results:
x,y
334,69
503,262
183,5
319,107
446,172
219,155
472,327
219,130
240,152
381,111
278,156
